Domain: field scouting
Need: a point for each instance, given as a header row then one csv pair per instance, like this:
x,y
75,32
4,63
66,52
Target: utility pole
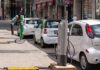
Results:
x,y
62,39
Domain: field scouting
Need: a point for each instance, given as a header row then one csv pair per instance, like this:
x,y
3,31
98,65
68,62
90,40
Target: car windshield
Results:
x,y
52,24
31,22
96,30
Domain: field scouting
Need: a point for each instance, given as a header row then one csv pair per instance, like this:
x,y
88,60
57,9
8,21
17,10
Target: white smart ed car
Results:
x,y
46,33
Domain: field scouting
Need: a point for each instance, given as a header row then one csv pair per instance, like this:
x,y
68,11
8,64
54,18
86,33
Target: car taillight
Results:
x,y
88,28
45,31
89,31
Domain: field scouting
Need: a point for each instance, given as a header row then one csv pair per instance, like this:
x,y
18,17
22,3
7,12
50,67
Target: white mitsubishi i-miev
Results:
x,y
85,37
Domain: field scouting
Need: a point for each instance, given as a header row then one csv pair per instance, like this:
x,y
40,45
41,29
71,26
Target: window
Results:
x,y
52,24
77,30
86,9
97,9
96,30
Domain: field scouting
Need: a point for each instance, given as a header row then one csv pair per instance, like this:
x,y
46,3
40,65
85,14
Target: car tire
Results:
x,y
43,45
84,63
34,39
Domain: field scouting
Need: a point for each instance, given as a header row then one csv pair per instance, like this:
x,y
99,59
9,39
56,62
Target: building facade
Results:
x,y
10,8
83,9
45,8
0,9
52,8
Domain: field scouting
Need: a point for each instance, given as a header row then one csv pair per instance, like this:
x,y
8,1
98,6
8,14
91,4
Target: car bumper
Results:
x,y
93,56
50,40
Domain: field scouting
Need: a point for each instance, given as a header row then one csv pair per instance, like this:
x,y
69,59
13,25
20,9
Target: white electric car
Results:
x,y
85,37
29,25
46,33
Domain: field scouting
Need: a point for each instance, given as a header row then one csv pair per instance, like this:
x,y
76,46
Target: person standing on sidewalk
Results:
x,y
13,21
20,25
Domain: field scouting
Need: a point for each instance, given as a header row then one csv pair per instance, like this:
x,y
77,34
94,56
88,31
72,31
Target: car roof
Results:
x,y
53,20
90,21
31,18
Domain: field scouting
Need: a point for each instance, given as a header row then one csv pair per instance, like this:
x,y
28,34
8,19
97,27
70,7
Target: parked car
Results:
x,y
30,25
46,33
85,37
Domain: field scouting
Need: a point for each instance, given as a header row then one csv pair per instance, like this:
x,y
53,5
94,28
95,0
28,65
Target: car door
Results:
x,y
76,39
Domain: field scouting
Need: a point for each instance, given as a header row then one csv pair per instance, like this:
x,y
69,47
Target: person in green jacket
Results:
x,y
21,27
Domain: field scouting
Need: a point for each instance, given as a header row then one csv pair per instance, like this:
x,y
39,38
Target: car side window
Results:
x,y
77,30
39,24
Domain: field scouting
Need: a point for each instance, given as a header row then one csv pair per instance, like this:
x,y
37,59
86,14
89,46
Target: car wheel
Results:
x,y
42,43
34,40
84,63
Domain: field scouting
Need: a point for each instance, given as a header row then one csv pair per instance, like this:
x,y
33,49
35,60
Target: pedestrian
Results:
x,y
21,28
13,21
74,18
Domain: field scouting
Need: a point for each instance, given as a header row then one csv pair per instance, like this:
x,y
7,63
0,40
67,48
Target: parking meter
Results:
x,y
62,43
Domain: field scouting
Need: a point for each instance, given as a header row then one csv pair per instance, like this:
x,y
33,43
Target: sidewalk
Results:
x,y
20,55
5,21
